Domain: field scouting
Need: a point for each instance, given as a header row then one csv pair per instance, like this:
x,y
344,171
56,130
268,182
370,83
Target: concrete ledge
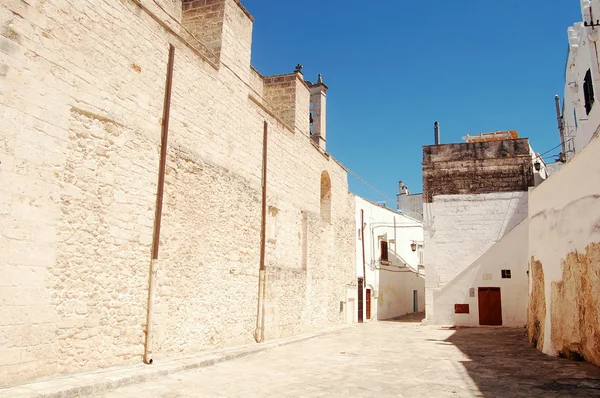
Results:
x,y
101,380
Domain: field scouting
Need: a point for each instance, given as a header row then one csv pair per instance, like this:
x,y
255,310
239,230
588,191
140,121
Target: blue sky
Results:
x,y
394,67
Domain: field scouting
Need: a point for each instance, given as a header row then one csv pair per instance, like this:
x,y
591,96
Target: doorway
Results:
x,y
368,303
490,306
415,301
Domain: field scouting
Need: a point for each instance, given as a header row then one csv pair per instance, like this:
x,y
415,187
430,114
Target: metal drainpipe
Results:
x,y
362,281
259,334
159,202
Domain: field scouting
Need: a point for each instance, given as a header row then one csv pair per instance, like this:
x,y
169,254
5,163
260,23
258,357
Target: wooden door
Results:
x,y
490,306
368,303
415,301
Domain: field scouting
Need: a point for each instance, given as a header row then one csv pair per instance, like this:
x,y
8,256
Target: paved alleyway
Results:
x,y
387,359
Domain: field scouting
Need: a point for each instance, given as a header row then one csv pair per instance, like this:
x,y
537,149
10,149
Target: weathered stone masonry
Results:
x,y
564,251
81,92
477,168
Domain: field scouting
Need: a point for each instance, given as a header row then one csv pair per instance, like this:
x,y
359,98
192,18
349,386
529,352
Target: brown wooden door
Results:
x,y
490,306
368,303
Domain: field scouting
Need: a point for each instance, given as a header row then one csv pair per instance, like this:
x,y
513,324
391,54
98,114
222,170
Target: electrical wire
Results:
x,y
359,178
540,156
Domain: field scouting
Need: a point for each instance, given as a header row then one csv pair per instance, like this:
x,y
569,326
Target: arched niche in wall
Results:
x,y
325,196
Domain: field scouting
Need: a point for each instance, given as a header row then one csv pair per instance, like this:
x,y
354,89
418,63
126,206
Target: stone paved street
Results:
x,y
387,359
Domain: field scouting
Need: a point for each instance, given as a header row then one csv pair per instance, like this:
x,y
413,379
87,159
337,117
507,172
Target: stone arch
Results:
x,y
325,196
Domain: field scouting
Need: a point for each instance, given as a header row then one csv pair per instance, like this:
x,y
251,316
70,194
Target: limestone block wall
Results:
x,y
81,94
460,228
564,255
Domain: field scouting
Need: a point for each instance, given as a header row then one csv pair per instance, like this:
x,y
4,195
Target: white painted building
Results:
x,y
475,208
581,115
393,275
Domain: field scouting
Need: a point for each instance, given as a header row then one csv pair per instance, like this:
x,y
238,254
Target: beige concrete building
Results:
x,y
255,238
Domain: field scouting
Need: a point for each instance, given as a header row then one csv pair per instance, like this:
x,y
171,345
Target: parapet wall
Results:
x,y
476,168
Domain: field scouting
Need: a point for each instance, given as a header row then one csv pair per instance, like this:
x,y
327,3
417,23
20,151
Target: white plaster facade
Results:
x,y
565,219
509,253
392,283
459,229
583,56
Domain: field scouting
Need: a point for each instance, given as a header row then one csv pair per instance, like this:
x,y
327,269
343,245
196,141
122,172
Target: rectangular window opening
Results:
x,y
506,274
384,251
588,92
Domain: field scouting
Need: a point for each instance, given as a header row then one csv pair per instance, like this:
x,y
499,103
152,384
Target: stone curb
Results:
x,y
102,380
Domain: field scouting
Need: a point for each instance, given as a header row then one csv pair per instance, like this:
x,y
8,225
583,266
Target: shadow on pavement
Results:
x,y
414,317
501,363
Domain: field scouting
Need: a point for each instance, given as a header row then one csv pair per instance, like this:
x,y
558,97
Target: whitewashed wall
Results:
x,y
564,234
391,285
460,228
509,253
583,55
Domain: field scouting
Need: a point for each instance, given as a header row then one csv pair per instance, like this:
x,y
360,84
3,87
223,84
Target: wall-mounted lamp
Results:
x,y
413,246
537,165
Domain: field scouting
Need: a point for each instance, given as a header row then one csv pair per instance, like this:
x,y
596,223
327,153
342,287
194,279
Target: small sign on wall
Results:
x,y
487,277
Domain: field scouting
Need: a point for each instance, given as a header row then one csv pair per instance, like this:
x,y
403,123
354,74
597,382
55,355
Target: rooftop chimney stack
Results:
x,y
318,103
436,133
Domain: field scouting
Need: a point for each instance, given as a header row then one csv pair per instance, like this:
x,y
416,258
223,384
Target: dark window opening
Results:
x,y
384,250
588,92
506,274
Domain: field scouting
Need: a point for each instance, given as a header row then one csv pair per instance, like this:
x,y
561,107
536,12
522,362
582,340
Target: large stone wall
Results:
x,y
81,93
564,242
477,168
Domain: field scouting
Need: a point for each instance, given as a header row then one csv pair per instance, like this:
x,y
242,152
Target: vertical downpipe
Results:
x,y
159,202
561,125
259,334
362,281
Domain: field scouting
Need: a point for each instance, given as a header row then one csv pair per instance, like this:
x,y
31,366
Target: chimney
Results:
x,y
402,193
436,133
318,109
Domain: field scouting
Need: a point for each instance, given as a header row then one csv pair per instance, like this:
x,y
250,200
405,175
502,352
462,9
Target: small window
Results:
x,y
588,92
506,274
384,250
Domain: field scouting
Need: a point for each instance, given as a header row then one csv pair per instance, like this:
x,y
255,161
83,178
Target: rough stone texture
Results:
x,y
564,233
461,228
81,98
476,168
575,311
536,314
